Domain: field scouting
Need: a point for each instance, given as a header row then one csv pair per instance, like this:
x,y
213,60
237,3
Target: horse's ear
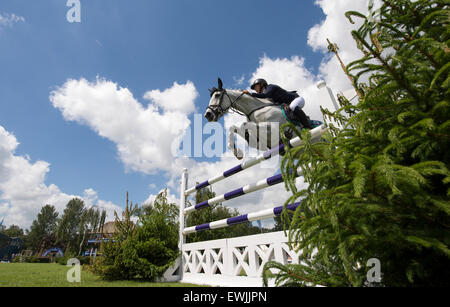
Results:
x,y
220,84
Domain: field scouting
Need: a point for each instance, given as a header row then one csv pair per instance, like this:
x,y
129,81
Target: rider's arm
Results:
x,y
268,93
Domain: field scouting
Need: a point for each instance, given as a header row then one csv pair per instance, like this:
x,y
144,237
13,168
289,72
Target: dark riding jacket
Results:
x,y
277,94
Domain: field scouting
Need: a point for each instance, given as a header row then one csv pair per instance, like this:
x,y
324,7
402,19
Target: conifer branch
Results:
x,y
334,48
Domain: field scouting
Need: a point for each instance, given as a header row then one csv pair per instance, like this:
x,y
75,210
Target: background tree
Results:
x,y
146,249
280,224
68,232
92,221
125,227
379,187
42,233
168,209
156,240
13,231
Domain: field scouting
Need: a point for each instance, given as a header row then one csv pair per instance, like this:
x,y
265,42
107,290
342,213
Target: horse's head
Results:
x,y
218,104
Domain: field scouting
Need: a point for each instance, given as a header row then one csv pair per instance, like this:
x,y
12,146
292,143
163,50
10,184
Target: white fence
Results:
x,y
234,262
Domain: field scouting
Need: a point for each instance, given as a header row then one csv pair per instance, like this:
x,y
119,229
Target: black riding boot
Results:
x,y
302,118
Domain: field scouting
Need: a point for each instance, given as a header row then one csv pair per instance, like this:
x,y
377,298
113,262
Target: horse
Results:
x,y
264,116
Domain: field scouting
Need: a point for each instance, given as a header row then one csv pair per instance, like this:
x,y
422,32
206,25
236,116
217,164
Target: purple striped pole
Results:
x,y
315,133
255,216
262,184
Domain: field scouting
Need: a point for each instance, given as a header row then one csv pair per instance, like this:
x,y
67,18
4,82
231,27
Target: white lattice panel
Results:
x,y
235,261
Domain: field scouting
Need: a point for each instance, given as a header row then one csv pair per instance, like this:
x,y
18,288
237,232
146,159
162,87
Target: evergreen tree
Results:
x,y
125,228
144,250
161,203
112,265
68,231
42,233
379,187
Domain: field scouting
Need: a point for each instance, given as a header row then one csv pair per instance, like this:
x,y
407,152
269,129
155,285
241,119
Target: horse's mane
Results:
x,y
263,100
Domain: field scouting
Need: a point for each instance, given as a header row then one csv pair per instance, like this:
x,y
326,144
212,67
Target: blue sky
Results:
x,y
140,45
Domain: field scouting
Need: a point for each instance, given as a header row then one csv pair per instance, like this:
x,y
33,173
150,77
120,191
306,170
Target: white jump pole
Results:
x,y
321,84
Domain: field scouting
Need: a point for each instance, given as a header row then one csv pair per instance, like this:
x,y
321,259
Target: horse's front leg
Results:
x,y
249,131
232,144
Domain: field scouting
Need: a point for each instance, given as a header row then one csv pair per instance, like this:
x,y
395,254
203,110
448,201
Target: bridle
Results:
x,y
218,110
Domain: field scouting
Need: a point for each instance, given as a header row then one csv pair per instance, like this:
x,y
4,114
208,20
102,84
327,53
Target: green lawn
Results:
x,y
54,275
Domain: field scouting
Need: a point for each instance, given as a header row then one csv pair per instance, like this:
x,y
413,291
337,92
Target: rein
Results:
x,y
233,104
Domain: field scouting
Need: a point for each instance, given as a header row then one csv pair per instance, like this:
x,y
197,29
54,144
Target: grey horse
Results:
x,y
261,131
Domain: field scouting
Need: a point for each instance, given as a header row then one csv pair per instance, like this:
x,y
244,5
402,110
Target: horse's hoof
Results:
x,y
239,154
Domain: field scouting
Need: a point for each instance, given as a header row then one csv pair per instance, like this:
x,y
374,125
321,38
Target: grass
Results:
x,y
55,275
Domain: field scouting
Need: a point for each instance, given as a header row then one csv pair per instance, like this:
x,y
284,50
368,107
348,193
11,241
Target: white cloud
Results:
x,y
90,198
337,28
178,98
239,81
23,191
143,135
288,73
170,198
291,74
8,20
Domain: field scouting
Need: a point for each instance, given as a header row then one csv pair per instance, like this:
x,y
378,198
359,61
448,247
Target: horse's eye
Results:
x,y
217,95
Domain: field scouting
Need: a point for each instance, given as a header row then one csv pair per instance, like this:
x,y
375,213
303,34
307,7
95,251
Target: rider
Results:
x,y
280,96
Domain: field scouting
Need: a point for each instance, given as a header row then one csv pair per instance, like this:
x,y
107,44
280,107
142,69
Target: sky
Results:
x,y
92,109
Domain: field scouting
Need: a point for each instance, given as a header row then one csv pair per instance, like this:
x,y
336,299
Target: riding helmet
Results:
x,y
259,81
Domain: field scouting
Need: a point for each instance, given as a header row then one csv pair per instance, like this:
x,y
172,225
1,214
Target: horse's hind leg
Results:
x,y
269,135
262,136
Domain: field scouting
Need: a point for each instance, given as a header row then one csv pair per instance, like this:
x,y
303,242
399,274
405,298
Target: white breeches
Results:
x,y
297,102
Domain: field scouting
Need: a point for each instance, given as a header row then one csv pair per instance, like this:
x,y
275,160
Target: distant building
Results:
x,y
95,239
109,228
